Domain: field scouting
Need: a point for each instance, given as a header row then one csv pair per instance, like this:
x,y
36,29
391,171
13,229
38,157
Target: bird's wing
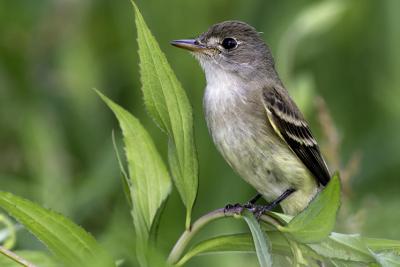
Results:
x,y
290,125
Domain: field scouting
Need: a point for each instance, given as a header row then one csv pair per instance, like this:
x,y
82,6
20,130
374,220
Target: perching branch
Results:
x,y
187,236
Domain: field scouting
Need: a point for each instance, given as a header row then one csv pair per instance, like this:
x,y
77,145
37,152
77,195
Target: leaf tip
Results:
x,y
135,8
335,184
102,96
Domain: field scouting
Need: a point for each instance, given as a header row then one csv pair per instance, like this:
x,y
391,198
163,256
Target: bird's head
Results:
x,y
232,46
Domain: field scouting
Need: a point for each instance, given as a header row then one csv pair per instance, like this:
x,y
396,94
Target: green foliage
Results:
x,y
388,259
377,244
344,247
149,183
307,238
242,242
261,242
8,236
169,106
37,258
225,243
301,241
348,250
124,177
316,222
67,241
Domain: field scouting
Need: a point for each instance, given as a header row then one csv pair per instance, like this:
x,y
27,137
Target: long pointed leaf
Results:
x,y
377,244
69,242
150,183
316,222
344,247
261,243
168,105
388,259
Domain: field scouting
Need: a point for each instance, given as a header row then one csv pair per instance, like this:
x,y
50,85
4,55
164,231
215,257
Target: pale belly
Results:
x,y
251,147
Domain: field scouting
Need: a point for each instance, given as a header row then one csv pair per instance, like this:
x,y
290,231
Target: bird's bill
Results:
x,y
188,44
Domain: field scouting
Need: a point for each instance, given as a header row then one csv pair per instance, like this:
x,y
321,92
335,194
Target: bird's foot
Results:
x,y
259,210
238,208
234,209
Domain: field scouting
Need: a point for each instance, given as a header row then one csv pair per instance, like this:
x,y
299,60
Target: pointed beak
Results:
x,y
188,44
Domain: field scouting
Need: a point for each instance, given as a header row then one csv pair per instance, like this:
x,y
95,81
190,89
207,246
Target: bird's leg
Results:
x,y
259,210
254,199
235,208
250,205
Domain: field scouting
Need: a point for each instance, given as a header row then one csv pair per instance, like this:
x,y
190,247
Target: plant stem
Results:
x,y
187,236
15,257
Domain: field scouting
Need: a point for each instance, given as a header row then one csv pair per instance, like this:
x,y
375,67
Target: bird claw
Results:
x,y
260,210
250,206
234,209
257,210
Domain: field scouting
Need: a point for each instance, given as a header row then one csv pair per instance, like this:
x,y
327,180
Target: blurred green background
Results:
x,y
55,133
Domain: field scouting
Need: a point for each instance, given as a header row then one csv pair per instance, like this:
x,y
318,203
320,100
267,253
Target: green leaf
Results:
x,y
339,249
8,233
226,243
342,263
298,258
388,259
344,247
124,175
377,244
150,183
261,243
243,242
69,242
38,258
169,106
235,243
316,222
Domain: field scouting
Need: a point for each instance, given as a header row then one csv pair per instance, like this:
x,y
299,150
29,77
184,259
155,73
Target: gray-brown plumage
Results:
x,y
253,121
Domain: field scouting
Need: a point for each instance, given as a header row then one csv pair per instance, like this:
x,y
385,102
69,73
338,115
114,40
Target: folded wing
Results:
x,y
290,125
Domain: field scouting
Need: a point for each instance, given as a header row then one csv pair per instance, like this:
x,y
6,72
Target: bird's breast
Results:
x,y
239,128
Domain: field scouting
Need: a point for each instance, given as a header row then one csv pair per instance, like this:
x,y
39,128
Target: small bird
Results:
x,y
254,123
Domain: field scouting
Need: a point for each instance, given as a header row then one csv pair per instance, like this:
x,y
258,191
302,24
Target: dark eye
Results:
x,y
229,43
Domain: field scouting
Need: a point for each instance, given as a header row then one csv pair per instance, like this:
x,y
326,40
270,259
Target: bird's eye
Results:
x,y
229,43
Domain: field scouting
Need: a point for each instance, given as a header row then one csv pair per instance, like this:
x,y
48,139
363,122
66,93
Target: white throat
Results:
x,y
222,85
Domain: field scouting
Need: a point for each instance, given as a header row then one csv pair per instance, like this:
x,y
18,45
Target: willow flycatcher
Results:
x,y
254,123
